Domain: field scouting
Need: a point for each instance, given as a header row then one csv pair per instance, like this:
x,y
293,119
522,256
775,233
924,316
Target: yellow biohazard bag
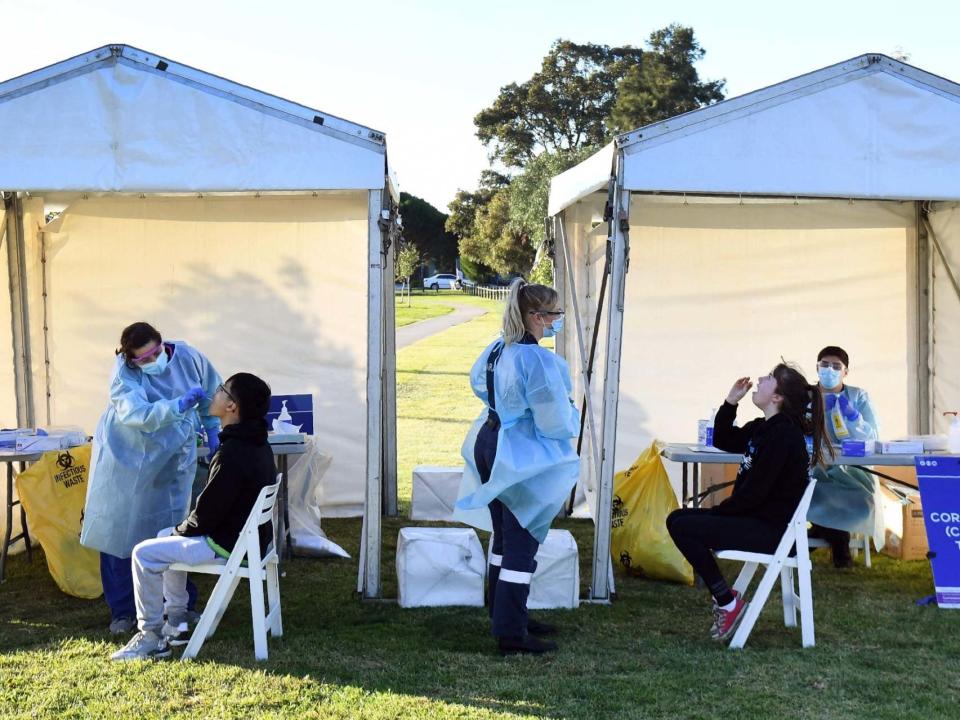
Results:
x,y
53,491
642,499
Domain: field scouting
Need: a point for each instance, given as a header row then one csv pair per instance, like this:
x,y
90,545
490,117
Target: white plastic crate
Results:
x,y
440,566
434,492
556,583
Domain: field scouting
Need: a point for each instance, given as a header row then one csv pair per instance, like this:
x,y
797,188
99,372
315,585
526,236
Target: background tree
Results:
x,y
665,84
564,106
424,228
405,264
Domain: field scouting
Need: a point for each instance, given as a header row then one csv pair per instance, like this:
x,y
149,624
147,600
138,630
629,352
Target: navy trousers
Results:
x,y
512,561
116,575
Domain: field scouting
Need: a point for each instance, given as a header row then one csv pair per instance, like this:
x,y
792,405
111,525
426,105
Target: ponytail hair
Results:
x,y
803,403
523,299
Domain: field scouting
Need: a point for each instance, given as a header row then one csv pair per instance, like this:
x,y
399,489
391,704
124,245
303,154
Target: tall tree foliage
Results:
x,y
424,228
582,95
564,106
665,84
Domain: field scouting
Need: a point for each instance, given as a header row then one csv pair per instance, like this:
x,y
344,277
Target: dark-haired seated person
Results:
x,y
240,469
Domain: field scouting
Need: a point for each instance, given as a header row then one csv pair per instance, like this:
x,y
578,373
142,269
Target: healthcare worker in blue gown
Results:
x,y
520,463
846,497
145,455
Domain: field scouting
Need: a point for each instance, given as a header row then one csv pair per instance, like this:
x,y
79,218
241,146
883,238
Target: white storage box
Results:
x,y
434,492
556,583
440,566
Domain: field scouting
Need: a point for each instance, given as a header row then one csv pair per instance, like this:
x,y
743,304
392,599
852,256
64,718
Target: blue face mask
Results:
x,y
555,327
829,377
157,366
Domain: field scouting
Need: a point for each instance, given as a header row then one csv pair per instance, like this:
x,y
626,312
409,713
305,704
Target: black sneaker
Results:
x,y
529,645
535,627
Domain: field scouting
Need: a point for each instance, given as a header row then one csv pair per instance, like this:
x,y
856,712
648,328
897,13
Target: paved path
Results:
x,y
414,332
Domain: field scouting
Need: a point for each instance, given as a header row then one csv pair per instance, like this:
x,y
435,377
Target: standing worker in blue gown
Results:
x,y
145,455
845,499
520,464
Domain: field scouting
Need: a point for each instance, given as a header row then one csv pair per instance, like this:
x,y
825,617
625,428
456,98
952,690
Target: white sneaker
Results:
x,y
122,626
146,645
176,635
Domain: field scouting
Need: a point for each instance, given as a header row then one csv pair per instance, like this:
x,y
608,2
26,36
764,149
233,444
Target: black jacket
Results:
x,y
238,471
774,472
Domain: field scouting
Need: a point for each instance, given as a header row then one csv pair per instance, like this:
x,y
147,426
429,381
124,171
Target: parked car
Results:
x,y
443,281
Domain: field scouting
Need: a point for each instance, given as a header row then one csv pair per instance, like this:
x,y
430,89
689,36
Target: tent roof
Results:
x,y
870,127
118,119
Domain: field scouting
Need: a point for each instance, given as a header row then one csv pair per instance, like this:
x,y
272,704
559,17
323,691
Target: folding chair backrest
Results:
x,y
248,544
797,527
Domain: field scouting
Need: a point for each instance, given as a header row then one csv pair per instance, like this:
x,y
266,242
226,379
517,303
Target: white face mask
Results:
x,y
829,377
553,328
158,365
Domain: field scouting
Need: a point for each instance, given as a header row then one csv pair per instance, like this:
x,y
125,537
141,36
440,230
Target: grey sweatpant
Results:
x,y
156,588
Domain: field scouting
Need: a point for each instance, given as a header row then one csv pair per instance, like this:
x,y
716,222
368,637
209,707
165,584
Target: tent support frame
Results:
x,y
369,581
922,401
619,243
19,310
388,229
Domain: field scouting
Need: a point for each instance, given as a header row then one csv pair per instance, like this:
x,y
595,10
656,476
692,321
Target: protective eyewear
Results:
x,y
149,356
827,364
547,312
225,392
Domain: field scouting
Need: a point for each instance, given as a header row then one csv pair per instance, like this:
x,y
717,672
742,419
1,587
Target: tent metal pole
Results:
x,y
389,235
923,298
619,248
370,558
586,365
559,279
20,318
943,257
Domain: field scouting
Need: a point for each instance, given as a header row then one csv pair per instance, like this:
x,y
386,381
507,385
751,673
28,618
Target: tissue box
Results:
x,y
439,566
434,492
902,447
556,583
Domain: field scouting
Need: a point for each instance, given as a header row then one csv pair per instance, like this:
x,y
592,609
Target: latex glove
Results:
x,y
830,401
213,440
190,398
848,410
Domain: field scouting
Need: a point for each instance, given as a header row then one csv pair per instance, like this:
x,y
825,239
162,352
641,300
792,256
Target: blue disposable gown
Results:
x,y
845,496
536,465
145,452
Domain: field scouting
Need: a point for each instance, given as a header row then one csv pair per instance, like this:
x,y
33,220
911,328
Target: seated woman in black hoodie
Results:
x,y
771,480
241,467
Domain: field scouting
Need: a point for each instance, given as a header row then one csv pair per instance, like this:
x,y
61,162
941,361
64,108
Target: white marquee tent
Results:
x,y
254,228
822,210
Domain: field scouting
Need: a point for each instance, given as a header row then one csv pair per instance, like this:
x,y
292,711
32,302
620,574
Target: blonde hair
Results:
x,y
524,298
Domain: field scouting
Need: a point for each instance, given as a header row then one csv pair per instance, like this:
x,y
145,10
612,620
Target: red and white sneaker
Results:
x,y
726,621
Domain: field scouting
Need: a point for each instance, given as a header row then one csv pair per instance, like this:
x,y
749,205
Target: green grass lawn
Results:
x,y
419,308
645,656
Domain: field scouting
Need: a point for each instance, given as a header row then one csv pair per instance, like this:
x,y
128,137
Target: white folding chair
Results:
x,y
782,564
857,542
257,570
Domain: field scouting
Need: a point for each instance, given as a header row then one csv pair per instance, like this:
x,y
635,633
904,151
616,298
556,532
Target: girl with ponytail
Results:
x,y
520,463
772,478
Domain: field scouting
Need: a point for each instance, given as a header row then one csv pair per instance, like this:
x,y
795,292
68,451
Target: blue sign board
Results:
x,y
939,480
298,407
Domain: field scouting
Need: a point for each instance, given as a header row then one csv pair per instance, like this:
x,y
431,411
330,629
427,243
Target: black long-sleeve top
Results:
x,y
238,471
774,472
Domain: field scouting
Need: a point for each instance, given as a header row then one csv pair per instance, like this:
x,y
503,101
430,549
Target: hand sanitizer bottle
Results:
x,y
953,435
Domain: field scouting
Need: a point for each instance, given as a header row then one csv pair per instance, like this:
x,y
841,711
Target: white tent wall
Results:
x,y
945,223
274,285
585,235
8,403
718,289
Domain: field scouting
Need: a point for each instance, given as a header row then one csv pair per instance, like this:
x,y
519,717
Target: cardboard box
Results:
x,y
902,447
905,535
